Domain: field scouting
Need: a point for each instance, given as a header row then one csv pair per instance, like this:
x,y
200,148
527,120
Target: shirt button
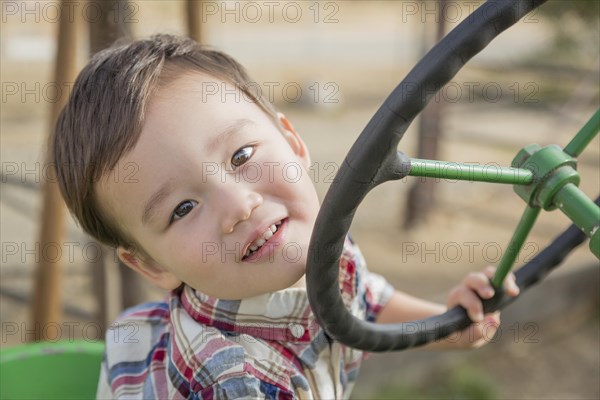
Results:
x,y
296,330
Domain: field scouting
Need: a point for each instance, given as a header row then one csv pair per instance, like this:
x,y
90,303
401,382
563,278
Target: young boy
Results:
x,y
166,153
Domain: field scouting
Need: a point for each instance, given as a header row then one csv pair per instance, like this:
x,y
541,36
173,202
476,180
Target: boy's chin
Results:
x,y
300,283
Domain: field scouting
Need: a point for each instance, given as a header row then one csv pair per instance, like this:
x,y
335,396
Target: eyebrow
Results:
x,y
235,127
154,201
161,194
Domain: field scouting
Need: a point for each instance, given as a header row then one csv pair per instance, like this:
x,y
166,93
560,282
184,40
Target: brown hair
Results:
x,y
103,118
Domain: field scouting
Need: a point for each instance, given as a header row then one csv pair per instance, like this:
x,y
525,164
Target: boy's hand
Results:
x,y
466,295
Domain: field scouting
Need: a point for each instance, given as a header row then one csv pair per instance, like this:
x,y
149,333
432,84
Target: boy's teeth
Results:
x,y
268,234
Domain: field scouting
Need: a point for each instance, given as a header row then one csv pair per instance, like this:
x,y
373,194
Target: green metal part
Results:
x,y
595,243
514,246
552,168
470,172
582,211
584,136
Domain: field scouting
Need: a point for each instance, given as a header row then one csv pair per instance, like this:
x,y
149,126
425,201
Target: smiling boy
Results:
x,y
211,215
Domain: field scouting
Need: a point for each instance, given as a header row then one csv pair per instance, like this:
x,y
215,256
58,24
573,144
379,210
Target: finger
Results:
x,y
486,331
489,271
492,319
478,282
475,335
490,325
469,300
510,285
483,332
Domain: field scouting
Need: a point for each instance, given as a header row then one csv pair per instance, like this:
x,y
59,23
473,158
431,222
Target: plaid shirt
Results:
x,y
270,346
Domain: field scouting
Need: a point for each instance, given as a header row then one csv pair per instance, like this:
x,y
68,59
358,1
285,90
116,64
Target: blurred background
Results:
x,y
328,65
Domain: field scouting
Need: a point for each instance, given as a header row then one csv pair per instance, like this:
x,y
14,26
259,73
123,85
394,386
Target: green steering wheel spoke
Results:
x,y
516,243
582,211
584,136
470,172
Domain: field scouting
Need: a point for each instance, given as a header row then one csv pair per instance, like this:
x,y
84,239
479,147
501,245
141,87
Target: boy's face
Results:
x,y
209,176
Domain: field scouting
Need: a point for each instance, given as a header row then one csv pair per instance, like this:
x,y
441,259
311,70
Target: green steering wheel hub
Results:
x,y
555,182
552,168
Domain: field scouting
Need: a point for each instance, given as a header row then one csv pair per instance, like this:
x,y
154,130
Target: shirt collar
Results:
x,y
284,315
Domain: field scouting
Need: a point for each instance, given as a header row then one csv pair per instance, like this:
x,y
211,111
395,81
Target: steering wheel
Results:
x,y
543,177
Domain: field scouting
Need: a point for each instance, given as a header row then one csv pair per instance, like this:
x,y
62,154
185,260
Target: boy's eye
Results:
x,y
183,209
242,155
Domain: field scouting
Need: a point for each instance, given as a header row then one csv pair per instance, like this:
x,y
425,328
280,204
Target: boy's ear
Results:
x,y
153,272
294,140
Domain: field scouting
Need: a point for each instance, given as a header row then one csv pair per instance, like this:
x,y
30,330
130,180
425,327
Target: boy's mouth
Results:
x,y
271,233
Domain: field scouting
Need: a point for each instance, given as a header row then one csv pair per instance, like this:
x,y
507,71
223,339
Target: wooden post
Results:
x,y
194,22
46,306
114,23
108,287
421,196
114,288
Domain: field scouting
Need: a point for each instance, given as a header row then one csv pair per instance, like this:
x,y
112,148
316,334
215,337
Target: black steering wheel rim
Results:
x,y
373,159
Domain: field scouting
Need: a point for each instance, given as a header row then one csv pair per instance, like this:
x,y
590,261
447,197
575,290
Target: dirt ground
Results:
x,y
551,343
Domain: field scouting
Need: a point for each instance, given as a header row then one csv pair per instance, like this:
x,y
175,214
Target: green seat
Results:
x,y
60,370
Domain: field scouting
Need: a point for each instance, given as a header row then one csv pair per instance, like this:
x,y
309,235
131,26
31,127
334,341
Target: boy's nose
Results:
x,y
237,206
